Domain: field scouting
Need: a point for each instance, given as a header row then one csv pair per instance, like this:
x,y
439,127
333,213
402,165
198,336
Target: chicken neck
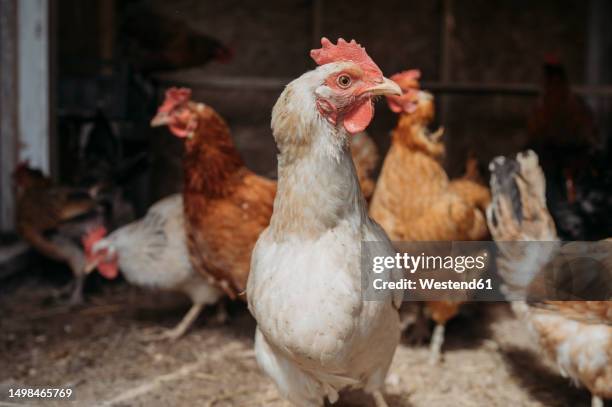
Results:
x,y
316,191
211,157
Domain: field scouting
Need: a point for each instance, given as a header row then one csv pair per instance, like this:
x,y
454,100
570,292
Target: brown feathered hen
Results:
x,y
471,186
414,199
226,205
575,335
53,218
154,41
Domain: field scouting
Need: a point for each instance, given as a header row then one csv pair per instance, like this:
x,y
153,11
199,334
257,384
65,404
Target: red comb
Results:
x,y
91,238
107,268
175,96
409,82
344,51
407,79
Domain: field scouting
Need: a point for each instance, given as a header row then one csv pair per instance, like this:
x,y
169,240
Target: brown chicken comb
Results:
x,y
344,51
175,96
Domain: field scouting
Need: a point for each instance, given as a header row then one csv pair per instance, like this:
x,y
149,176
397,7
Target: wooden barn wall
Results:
x,y
8,111
502,41
487,42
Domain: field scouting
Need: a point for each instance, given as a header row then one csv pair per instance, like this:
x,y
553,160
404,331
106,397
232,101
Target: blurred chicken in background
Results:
x,y
575,335
153,41
563,132
226,205
152,252
53,219
415,201
103,163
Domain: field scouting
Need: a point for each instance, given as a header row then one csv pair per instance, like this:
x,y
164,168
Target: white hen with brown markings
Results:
x,y
575,335
315,333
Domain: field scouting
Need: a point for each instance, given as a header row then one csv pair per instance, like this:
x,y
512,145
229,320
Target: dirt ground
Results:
x,y
97,350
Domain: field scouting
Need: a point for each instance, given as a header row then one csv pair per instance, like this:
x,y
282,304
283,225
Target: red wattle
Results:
x,y
359,118
108,270
179,131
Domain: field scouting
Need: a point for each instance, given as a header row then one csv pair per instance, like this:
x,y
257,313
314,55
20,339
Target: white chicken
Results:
x,y
315,333
152,253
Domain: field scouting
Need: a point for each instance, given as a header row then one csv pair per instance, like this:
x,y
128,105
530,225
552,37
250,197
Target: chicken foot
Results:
x,y
437,339
379,399
76,297
180,329
596,401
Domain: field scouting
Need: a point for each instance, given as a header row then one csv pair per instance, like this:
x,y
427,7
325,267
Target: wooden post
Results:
x,y
447,28
8,111
33,82
317,22
598,60
106,23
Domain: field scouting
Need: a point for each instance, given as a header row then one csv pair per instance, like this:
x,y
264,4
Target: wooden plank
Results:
x,y
447,25
317,22
53,85
106,23
458,88
598,60
33,82
8,111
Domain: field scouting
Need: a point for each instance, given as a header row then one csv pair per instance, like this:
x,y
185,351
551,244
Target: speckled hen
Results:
x,y
576,336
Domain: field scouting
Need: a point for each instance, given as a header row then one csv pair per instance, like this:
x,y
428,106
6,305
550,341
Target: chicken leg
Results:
x,y
180,329
441,313
596,401
76,297
379,399
435,346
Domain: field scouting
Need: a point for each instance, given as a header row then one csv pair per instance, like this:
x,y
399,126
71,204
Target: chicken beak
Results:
x,y
89,267
160,119
386,88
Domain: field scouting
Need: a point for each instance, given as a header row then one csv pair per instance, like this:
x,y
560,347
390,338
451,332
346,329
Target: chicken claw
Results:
x,y
179,330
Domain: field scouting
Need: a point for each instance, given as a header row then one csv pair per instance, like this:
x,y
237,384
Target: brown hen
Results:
x,y
414,199
227,206
53,218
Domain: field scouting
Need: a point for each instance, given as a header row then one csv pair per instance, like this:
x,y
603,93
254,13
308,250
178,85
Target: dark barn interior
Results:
x,y
80,83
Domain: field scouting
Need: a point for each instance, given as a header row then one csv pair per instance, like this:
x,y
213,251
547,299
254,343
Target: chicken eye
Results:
x,y
344,81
